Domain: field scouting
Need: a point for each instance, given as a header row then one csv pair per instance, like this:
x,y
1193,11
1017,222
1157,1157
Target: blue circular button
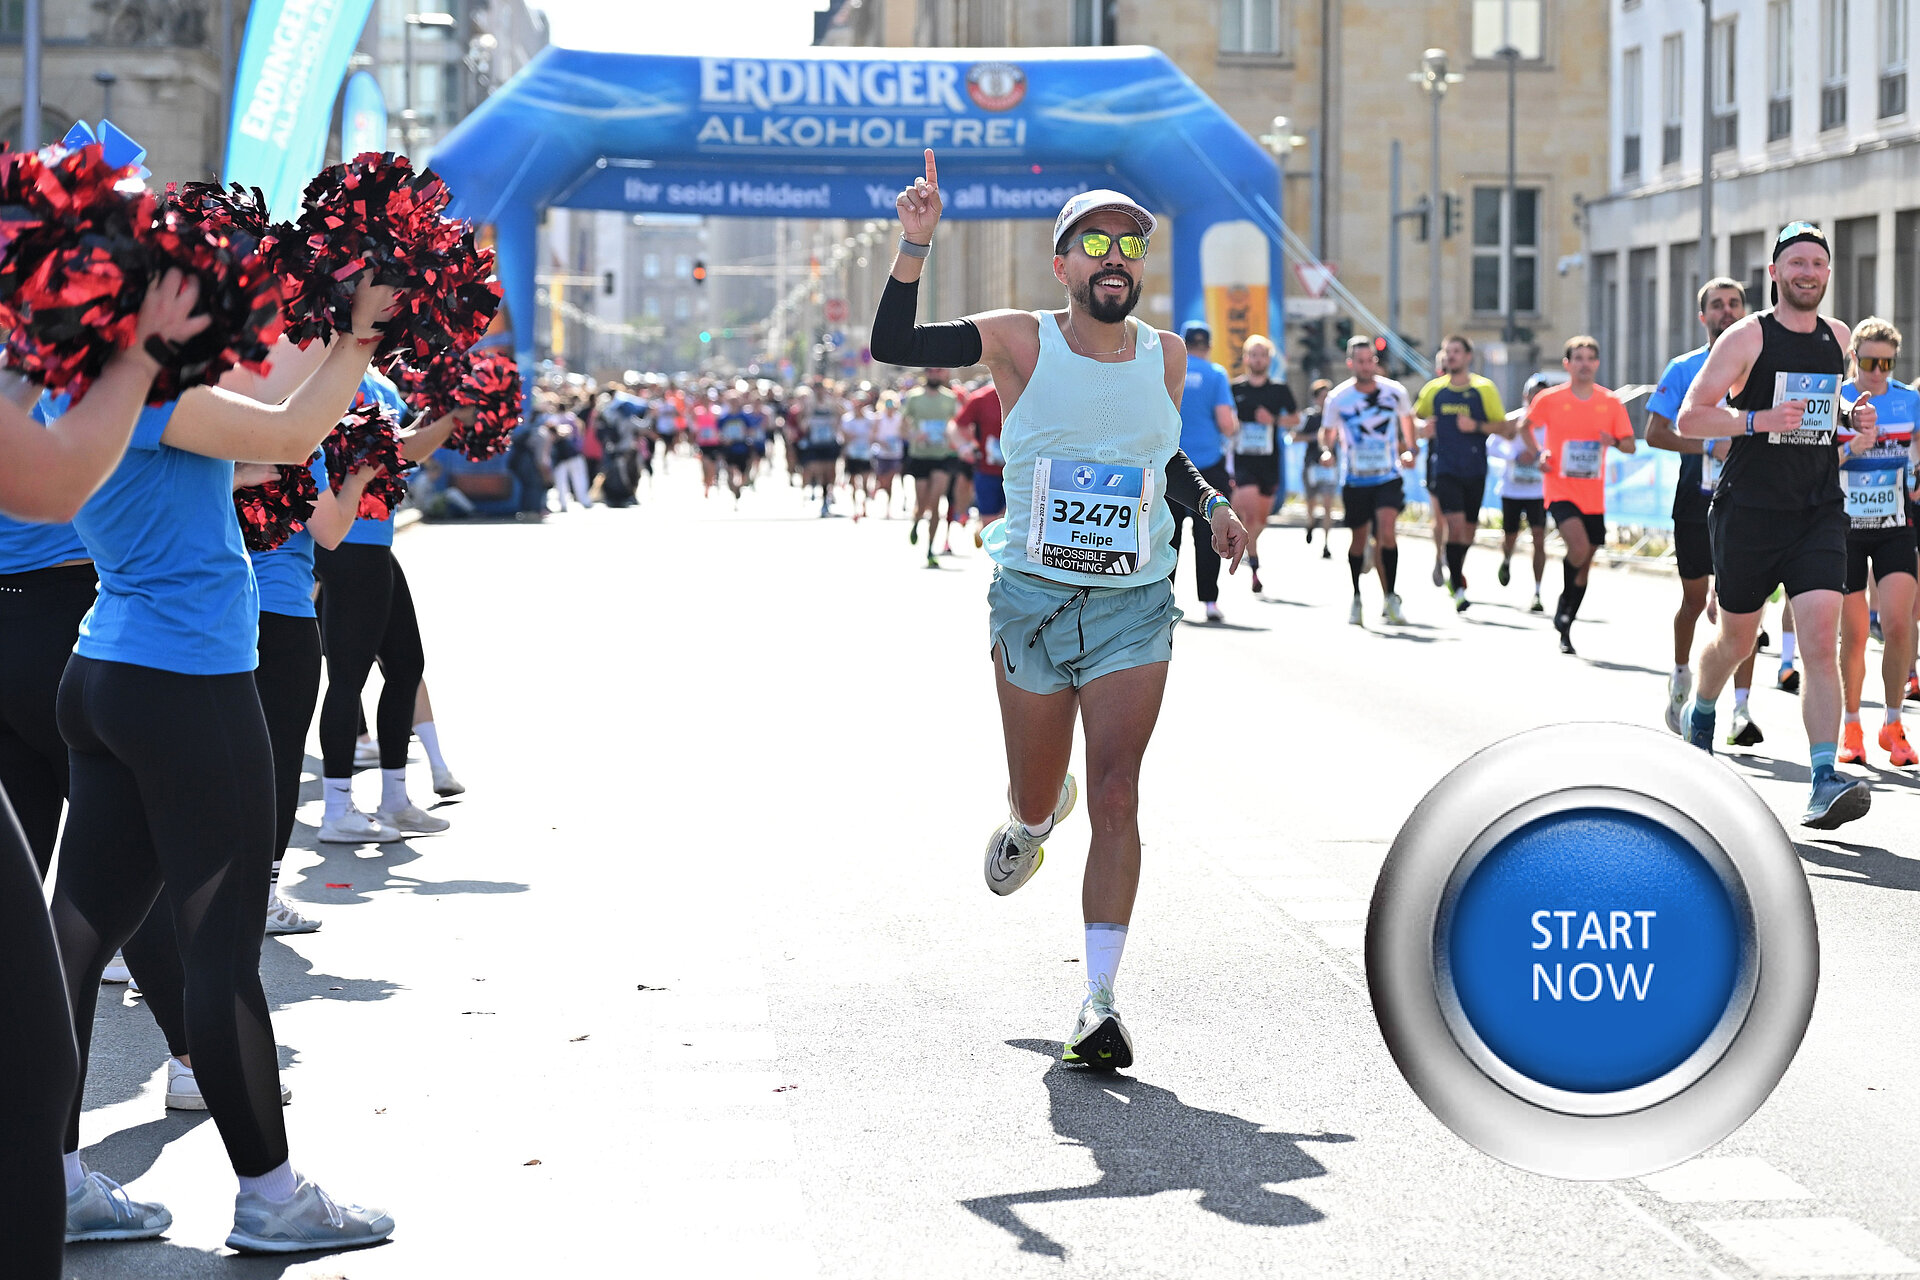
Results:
x,y
1593,950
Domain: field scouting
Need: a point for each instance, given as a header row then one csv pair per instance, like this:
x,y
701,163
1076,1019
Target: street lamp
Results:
x,y
106,80
1434,80
445,22
1281,140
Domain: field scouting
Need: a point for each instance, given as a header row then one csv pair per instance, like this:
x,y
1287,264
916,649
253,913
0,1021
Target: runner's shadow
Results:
x,y
1204,625
1864,864
1777,769
1145,1141
1631,668
128,1153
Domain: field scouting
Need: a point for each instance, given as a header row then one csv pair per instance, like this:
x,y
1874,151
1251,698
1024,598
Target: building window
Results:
x,y
1498,23
1673,96
1779,69
1630,109
1093,21
1726,118
1492,227
1906,288
682,307
1833,64
1683,291
1251,26
1643,316
1856,262
650,266
651,308
682,267
1893,57
1747,263
13,18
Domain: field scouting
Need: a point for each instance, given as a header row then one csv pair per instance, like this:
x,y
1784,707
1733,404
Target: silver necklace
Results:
x,y
1078,342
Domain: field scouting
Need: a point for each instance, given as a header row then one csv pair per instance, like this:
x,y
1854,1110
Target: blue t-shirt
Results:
x,y
1207,389
285,574
176,588
1690,494
375,386
25,547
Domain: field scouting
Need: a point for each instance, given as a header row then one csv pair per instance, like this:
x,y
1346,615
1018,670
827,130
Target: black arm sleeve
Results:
x,y
898,340
1185,487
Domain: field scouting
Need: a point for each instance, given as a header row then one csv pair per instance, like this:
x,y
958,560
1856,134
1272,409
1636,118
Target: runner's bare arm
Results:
x,y
1661,435
1704,414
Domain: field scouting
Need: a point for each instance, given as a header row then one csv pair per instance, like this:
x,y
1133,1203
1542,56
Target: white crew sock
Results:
x,y
1105,942
1740,697
1893,715
1786,649
1683,672
430,742
277,1185
338,793
76,1172
1041,830
1851,717
393,790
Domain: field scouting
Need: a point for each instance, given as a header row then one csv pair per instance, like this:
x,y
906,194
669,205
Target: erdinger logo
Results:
x,y
996,86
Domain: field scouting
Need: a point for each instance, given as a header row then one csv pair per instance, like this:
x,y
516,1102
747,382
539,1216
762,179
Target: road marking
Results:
x,y
1724,1178
1328,909
1809,1247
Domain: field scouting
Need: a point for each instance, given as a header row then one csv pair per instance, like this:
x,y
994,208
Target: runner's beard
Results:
x,y
1099,309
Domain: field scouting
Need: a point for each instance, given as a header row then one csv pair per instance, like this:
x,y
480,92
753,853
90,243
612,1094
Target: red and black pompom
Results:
x,y
368,436
487,382
270,513
377,213
76,263
223,239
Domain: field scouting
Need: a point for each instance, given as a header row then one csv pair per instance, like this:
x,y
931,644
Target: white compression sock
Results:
x,y
1787,647
393,790
1740,697
1684,671
339,796
430,742
277,1185
76,1172
1105,942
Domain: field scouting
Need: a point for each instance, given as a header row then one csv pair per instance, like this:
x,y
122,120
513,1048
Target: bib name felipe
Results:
x,y
872,106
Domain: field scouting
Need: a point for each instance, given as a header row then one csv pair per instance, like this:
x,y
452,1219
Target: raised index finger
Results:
x,y
933,170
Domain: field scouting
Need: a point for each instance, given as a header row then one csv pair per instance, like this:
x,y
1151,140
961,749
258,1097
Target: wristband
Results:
x,y
1213,504
1750,414
912,250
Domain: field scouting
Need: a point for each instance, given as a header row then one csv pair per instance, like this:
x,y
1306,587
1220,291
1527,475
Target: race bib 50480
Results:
x,y
1876,496
1087,516
1820,394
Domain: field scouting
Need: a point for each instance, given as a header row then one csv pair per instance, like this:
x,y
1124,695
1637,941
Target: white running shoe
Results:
x,y
355,827
1098,1039
100,1209
1013,855
1679,693
183,1090
1390,612
309,1221
282,918
116,971
412,820
445,784
1355,615
1214,614
366,755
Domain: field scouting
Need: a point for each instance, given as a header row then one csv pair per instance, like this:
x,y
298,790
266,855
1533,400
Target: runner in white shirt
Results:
x,y
1523,493
856,438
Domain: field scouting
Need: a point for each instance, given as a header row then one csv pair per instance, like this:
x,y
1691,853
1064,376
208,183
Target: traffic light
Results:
x,y
607,288
1342,334
705,337
1452,214
1311,346
700,271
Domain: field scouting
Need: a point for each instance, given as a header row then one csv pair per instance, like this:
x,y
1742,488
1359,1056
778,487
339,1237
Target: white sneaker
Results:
x,y
309,1221
366,755
282,918
413,820
1355,615
445,784
1390,612
99,1209
1214,614
1679,692
1013,855
116,971
355,827
183,1090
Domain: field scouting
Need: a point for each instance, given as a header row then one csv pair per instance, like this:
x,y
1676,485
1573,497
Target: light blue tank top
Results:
x,y
1105,433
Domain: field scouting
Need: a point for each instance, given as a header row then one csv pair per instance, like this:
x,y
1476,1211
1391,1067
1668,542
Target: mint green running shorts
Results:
x,y
1051,636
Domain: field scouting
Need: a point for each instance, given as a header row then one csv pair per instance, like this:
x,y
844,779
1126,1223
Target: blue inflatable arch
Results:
x,y
834,134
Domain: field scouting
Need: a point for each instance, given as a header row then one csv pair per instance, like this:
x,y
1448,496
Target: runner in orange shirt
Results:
x,y
1572,426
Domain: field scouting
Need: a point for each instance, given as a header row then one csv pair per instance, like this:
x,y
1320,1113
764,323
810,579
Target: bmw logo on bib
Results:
x,y
1592,951
1083,476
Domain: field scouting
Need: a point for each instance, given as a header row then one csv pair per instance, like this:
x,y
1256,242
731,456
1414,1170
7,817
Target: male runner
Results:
x,y
929,410
821,411
856,439
1877,480
1523,492
1575,423
735,425
1778,516
1082,607
976,432
1206,423
1319,467
1457,412
1721,301
1265,408
1370,418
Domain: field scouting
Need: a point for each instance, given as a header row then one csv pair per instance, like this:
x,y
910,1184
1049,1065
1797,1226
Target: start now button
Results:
x,y
1593,950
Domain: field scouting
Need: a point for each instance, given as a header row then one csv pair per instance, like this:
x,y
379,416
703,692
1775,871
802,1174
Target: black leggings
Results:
x,y
40,616
39,1072
366,612
173,799
288,678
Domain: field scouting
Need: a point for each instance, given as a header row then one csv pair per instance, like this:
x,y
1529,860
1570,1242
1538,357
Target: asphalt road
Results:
x,y
704,981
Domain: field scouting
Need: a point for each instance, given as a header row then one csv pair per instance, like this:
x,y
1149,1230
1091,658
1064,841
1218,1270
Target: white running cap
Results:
x,y
1093,202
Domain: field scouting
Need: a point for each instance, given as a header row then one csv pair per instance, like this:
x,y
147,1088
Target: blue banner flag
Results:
x,y
363,116
291,66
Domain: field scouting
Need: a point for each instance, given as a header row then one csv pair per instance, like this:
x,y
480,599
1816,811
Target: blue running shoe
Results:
x,y
1836,799
1699,727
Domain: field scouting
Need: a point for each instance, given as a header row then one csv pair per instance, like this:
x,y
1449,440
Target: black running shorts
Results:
x,y
1514,511
1459,493
1564,512
1359,502
1756,549
1262,469
1692,549
1890,550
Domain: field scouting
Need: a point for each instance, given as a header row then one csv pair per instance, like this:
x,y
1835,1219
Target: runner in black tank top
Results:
x,y
1772,384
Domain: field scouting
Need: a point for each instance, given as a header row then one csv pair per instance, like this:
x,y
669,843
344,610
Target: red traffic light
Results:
x,y
699,273
1380,346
